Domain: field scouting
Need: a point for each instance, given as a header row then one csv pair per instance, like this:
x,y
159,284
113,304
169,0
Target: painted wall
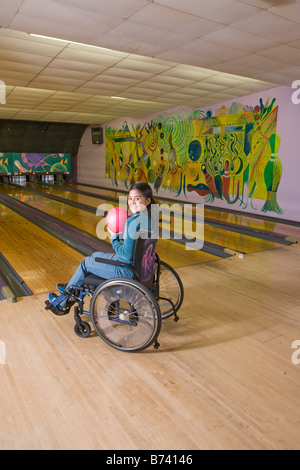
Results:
x,y
91,161
241,154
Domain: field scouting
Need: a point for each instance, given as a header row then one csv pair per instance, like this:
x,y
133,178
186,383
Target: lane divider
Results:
x,y
6,292
77,239
11,284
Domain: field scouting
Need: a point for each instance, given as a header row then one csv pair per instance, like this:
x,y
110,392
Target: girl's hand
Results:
x,y
111,233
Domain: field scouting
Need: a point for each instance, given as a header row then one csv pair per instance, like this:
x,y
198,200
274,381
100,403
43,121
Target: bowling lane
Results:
x,y
171,252
94,190
39,258
233,241
91,201
229,217
255,223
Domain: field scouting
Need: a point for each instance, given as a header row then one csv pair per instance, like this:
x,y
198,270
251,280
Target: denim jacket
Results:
x,y
123,243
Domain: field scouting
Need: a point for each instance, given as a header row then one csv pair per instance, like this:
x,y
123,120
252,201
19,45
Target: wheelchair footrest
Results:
x,y
55,310
48,305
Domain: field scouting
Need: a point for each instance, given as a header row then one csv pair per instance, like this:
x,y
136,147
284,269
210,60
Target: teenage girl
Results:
x,y
140,199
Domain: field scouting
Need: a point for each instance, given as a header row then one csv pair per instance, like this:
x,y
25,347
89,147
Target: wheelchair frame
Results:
x,y
130,290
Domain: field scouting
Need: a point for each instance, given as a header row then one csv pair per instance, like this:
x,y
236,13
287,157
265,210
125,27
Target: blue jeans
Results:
x,y
89,266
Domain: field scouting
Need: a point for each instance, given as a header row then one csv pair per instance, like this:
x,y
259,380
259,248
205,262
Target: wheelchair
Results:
x,y
127,313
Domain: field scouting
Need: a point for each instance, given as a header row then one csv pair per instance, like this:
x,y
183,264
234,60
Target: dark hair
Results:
x,y
146,191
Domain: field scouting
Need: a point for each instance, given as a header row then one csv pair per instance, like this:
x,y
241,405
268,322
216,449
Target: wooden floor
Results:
x,y
223,377
38,258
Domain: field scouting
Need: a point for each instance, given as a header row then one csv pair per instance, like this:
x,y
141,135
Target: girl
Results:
x,y
140,199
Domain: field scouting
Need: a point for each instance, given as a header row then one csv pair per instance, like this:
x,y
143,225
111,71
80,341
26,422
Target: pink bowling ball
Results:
x,y
116,219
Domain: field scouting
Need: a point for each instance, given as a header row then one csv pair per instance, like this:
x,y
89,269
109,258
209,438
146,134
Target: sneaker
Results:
x,y
58,309
61,287
52,297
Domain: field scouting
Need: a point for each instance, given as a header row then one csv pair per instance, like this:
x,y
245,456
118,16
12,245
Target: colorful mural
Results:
x,y
231,155
5,163
41,162
34,163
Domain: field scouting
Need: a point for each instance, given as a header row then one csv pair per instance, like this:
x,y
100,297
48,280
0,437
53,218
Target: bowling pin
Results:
x,y
272,175
209,181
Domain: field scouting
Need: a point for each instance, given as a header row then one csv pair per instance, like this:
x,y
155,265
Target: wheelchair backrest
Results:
x,y
144,257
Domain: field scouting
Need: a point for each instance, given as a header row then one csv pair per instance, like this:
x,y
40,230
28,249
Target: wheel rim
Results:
x,y
83,330
125,315
170,287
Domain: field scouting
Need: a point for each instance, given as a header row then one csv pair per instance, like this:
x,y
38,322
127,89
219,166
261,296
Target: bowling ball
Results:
x,y
116,219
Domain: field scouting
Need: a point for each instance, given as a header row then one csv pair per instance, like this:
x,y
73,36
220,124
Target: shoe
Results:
x,y
61,287
52,297
58,309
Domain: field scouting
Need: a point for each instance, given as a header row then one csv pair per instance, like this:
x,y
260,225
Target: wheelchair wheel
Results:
x,y
83,330
170,291
125,315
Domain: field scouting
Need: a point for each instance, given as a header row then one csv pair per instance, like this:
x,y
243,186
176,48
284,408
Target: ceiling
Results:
x,y
156,54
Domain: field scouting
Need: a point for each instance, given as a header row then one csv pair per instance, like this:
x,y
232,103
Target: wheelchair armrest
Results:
x,y
112,261
108,261
115,263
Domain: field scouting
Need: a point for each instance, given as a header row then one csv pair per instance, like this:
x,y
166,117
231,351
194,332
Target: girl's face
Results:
x,y
137,202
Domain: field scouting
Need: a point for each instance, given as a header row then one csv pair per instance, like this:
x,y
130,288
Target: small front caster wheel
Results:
x,y
83,330
156,345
